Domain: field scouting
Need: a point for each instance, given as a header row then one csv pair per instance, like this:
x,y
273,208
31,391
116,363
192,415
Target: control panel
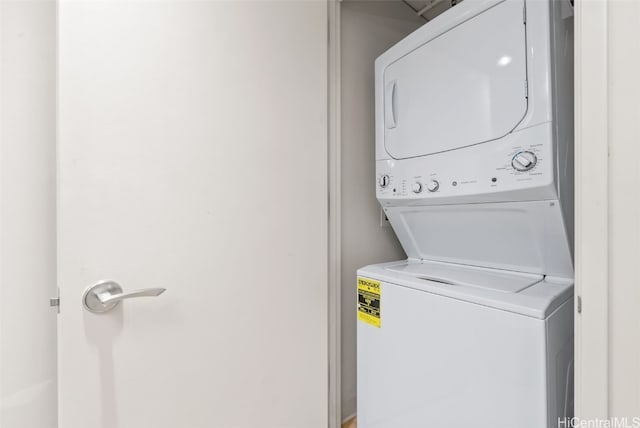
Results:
x,y
516,163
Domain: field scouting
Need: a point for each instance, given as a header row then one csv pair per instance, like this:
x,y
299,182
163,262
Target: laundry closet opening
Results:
x,y
456,181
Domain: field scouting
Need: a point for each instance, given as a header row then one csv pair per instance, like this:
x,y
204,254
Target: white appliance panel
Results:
x,y
440,362
518,236
465,86
481,173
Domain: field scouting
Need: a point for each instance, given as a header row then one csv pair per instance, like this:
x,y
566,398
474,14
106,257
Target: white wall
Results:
x,y
624,209
607,209
368,28
27,209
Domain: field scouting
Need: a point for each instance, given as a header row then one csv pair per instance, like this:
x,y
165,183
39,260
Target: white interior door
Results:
x,y
192,156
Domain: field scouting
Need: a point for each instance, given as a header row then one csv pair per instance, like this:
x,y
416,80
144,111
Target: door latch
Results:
x,y
579,305
55,301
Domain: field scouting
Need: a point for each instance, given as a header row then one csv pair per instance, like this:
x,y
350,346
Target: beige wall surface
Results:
x,y
27,214
608,209
624,208
591,205
368,28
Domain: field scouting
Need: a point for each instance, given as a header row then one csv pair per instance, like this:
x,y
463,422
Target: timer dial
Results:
x,y
524,161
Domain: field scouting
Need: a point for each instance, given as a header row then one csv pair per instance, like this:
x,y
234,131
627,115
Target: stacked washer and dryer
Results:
x,y
474,164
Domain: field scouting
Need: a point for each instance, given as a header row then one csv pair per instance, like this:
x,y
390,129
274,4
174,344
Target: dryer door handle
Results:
x,y
390,105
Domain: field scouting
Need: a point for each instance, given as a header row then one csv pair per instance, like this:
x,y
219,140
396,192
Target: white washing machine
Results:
x,y
474,164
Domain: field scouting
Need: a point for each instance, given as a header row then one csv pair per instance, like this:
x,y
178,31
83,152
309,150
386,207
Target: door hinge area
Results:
x,y
526,89
579,304
55,301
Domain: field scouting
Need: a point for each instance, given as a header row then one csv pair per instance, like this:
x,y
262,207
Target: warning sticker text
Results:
x,y
369,301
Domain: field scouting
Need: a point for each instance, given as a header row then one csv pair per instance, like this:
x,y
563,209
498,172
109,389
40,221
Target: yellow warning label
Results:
x,y
369,301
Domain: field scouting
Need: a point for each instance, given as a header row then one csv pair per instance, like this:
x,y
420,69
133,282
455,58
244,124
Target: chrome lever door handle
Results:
x,y
106,298
106,295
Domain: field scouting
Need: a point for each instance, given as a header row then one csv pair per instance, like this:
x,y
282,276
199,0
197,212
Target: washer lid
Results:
x,y
462,87
468,276
530,295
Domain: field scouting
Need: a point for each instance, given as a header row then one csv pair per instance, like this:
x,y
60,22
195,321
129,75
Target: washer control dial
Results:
x,y
416,187
524,161
433,186
384,181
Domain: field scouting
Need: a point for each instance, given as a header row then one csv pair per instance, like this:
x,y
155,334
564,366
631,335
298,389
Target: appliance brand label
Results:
x,y
369,301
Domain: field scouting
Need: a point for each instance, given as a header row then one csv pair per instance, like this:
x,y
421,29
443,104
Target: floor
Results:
x,y
351,423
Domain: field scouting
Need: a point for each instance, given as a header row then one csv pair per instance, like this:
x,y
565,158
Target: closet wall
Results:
x,y
368,28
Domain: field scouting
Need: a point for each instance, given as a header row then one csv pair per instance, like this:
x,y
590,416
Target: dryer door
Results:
x,y
465,86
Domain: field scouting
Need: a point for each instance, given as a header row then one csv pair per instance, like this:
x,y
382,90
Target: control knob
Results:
x,y
417,187
524,161
433,186
384,181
